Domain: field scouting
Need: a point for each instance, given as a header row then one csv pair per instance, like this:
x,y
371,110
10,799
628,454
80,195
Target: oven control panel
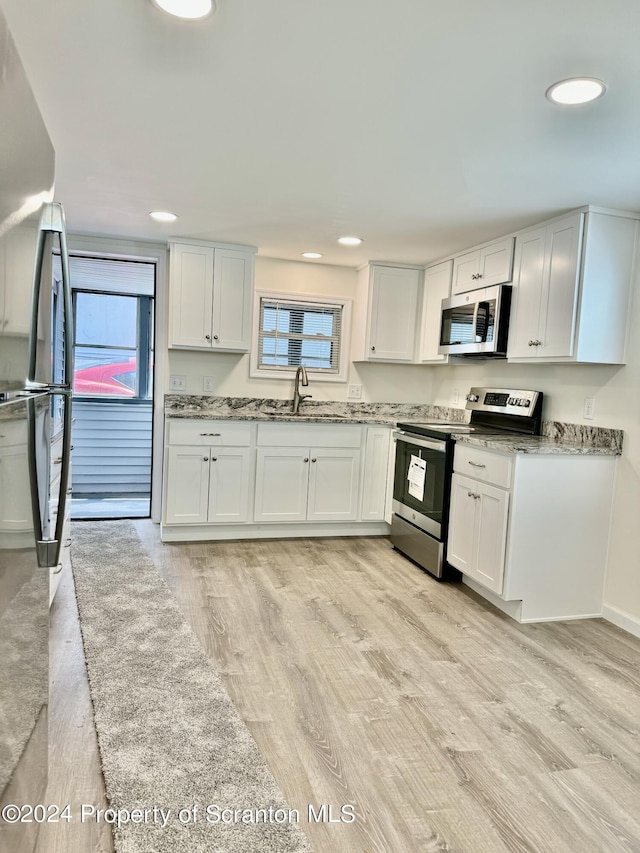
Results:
x,y
506,401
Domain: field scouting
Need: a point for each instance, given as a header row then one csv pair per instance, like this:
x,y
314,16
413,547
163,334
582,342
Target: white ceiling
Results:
x,y
420,126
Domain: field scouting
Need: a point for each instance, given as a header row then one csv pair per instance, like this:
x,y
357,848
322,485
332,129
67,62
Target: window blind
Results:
x,y
299,333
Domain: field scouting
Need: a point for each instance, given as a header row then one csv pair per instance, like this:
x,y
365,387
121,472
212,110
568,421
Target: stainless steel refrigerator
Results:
x,y
35,372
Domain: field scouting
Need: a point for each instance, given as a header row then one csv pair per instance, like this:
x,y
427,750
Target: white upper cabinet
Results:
x,y
571,291
386,313
211,296
436,287
484,266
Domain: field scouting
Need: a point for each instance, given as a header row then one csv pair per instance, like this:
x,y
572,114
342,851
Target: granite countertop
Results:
x,y
311,411
537,445
558,438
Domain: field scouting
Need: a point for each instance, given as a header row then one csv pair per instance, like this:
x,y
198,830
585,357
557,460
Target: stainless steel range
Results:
x,y
424,465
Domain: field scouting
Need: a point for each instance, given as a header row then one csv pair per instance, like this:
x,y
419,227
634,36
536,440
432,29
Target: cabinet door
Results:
x,y
465,269
491,536
232,300
191,296
333,484
394,306
229,484
462,523
376,466
560,293
526,296
437,286
187,485
282,481
496,263
16,513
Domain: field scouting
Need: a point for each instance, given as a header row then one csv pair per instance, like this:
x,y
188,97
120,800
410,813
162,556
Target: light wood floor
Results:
x,y
445,723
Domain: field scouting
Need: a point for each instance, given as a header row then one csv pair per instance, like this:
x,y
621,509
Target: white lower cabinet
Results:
x,y
478,530
209,484
530,532
271,479
311,484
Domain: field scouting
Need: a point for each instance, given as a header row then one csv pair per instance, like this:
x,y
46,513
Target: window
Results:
x,y
299,330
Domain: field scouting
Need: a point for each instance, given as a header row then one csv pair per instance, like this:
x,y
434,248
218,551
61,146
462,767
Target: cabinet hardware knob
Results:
x,y
214,458
208,337
205,459
470,494
306,459
214,434
476,497
474,277
479,275
531,343
215,337
373,349
477,464
314,460
538,343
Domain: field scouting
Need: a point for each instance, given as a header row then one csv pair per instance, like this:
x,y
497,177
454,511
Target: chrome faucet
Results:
x,y
301,377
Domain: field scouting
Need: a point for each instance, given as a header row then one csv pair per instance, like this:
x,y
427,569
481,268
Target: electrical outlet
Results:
x,y
177,383
589,406
456,396
207,384
354,392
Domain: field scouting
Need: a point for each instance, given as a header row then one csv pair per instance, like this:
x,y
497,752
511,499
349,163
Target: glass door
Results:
x,y
419,482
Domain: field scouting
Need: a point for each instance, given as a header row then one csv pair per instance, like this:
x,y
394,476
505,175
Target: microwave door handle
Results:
x,y
474,325
484,307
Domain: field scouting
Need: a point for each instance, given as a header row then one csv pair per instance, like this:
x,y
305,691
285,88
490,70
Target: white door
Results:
x,y
491,536
282,480
334,476
437,286
394,306
191,295
376,466
524,321
560,299
496,263
465,271
187,486
462,523
229,484
232,299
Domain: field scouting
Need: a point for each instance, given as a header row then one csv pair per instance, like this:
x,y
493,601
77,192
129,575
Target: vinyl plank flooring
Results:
x,y
447,725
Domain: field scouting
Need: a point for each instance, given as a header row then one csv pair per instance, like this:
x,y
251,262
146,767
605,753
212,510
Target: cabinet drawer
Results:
x,y
484,465
209,433
309,435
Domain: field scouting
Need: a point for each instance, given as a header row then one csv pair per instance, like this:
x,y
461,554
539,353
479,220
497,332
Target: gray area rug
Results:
x,y
169,735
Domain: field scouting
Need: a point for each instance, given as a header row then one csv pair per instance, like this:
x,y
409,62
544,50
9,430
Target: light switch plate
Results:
x,y
456,396
207,384
177,382
354,392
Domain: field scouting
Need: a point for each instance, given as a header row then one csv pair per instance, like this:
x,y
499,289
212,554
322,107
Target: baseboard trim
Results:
x,y
221,532
623,620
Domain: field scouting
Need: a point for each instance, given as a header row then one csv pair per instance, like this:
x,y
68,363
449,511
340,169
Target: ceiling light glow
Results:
x,y
576,90
189,10
350,241
311,255
163,216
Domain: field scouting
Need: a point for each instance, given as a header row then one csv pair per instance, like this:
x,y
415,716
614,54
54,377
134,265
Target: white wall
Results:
x,y
615,389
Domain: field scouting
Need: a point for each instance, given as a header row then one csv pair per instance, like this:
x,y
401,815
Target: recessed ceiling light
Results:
x,y
311,255
163,216
576,90
350,241
190,10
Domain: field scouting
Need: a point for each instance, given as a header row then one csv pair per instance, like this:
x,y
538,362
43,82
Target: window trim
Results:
x,y
256,372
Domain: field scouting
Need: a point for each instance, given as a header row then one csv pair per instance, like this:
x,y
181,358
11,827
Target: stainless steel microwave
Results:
x,y
476,323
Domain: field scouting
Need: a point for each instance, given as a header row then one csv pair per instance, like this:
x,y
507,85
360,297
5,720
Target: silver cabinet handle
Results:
x,y
470,494
214,434
306,459
477,464
214,458
208,337
373,349
531,343
205,459
215,337
314,460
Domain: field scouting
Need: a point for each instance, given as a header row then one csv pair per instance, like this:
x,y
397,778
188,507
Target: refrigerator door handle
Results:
x,y
51,222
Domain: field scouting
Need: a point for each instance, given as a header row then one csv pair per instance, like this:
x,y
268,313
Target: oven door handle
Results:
x,y
411,438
